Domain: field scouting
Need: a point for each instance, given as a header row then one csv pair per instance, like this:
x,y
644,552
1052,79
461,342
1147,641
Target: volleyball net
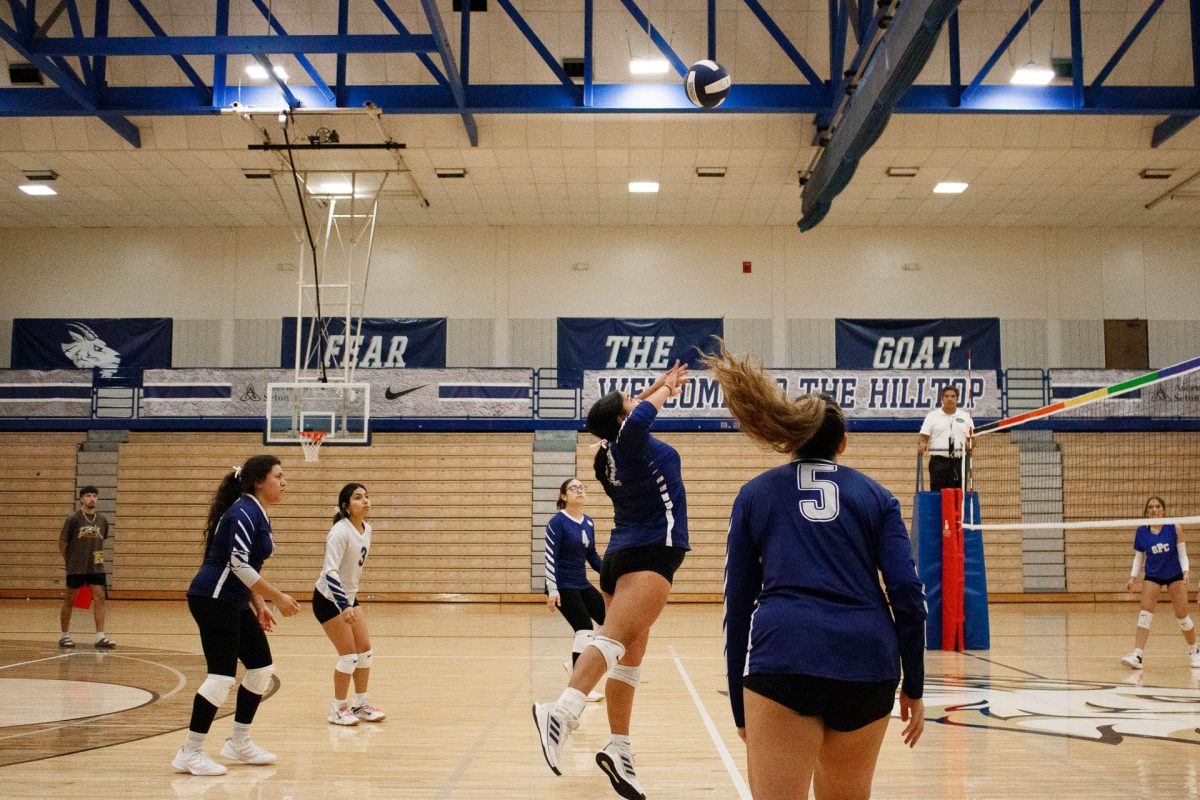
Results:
x,y
1095,455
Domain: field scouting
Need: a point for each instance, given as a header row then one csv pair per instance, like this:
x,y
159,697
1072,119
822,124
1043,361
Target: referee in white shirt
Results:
x,y
944,434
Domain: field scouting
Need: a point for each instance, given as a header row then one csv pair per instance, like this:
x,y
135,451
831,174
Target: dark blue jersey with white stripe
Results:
x,y
235,554
570,545
1161,549
642,476
807,541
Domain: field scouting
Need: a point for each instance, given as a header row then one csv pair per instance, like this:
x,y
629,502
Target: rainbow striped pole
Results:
x,y
1149,379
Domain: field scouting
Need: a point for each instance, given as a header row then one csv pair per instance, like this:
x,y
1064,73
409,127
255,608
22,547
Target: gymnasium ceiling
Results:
x,y
537,164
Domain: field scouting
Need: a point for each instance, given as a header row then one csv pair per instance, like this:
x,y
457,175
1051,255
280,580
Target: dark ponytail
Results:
x,y
344,500
234,485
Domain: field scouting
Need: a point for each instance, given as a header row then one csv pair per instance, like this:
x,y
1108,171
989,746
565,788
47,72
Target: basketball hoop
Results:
x,y
311,442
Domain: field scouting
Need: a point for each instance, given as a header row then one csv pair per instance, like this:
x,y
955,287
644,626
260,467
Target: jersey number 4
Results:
x,y
824,508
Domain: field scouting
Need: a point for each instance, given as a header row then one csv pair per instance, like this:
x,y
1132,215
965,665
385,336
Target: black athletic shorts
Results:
x,y
78,579
324,609
229,634
580,607
842,705
1165,581
651,558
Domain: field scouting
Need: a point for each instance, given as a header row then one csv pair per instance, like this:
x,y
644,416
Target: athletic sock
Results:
x,y
99,635
361,699
194,742
623,742
241,732
572,701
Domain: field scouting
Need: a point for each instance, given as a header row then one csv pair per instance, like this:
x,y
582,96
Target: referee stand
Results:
x,y
951,565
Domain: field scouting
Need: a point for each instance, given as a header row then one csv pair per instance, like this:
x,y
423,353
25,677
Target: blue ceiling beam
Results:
x,y
89,75
587,52
100,31
953,42
656,37
615,98
1076,17
1120,52
464,42
82,96
424,58
538,46
711,19
1002,48
221,63
438,32
280,84
276,26
180,61
235,45
1169,127
784,43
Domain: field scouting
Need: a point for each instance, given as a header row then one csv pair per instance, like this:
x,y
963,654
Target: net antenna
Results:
x,y
1090,461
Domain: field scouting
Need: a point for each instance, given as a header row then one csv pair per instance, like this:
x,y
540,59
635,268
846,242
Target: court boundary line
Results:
x,y
735,774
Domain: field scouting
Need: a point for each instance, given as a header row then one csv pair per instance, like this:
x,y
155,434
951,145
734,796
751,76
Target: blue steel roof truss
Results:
x,y
87,92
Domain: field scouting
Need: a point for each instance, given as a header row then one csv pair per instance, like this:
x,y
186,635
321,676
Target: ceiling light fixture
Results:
x,y
41,175
950,187
1032,74
331,188
37,189
259,73
643,187
648,66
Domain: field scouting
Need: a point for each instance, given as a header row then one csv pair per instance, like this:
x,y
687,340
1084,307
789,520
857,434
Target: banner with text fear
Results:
x,y
381,343
586,343
918,344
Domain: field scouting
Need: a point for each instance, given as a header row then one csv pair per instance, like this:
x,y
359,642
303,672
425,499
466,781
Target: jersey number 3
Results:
x,y
825,507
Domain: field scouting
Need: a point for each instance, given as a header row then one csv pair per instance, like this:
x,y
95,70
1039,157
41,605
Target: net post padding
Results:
x,y
311,441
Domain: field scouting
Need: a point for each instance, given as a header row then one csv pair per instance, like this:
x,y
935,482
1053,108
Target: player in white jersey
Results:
x,y
335,605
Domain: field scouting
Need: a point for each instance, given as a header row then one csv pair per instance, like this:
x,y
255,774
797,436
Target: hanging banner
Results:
x,y
105,344
610,343
382,343
918,344
861,394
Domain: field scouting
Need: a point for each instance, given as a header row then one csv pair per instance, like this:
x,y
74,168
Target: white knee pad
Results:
x,y
1185,624
347,664
582,640
257,680
1144,619
364,659
216,688
611,649
624,674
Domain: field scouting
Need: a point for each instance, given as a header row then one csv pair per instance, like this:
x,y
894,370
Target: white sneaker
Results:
x,y
595,696
368,713
1133,661
247,752
1194,657
617,764
554,727
341,715
197,763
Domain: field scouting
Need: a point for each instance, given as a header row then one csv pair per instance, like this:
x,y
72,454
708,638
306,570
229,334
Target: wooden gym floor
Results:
x,y
1047,712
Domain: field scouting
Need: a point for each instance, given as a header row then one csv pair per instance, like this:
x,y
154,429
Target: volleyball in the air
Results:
x,y
707,83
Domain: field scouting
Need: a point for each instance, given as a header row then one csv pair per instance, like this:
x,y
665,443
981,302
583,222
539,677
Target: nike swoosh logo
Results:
x,y
390,395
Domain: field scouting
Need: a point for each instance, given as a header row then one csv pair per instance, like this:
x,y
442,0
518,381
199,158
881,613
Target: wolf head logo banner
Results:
x,y
86,350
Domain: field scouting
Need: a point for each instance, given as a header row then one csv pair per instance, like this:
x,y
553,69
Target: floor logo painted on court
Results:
x,y
1106,713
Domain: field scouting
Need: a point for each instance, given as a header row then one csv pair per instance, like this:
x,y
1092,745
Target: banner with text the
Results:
x,y
589,343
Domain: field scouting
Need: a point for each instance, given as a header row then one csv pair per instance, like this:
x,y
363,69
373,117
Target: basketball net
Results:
x,y
311,441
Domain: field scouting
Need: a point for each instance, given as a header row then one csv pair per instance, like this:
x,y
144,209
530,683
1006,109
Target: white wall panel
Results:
x,y
533,343
1023,343
469,342
750,336
196,343
811,344
256,342
1172,341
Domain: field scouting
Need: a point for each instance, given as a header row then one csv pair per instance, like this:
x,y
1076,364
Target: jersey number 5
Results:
x,y
825,507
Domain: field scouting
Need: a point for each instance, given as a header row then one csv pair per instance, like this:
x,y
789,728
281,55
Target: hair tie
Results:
x,y
601,443
237,473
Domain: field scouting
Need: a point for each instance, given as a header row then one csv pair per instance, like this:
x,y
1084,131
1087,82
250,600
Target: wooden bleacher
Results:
x,y
1110,476
451,511
37,493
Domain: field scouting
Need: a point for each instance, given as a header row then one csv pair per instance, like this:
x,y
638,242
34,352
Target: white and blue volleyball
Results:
x,y
707,84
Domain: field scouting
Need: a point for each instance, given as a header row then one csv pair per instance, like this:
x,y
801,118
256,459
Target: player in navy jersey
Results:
x,y
228,599
649,539
570,548
335,605
814,648
1162,549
